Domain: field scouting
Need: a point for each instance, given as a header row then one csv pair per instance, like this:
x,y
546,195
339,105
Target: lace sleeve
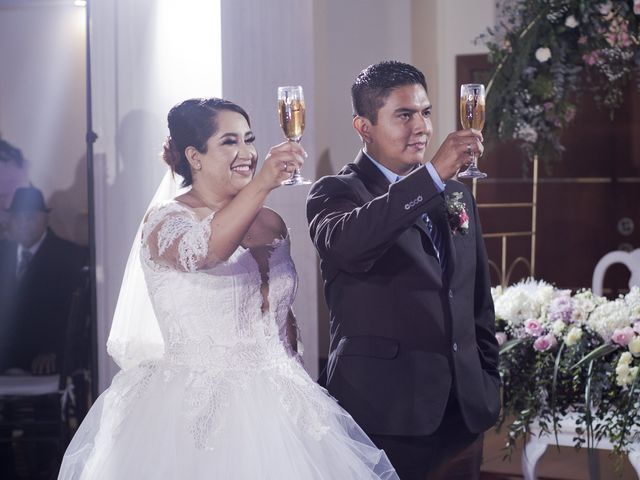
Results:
x,y
175,238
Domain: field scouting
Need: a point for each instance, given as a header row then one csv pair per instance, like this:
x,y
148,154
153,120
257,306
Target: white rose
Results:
x,y
622,370
622,381
573,337
558,327
626,377
625,359
634,346
543,54
605,8
571,22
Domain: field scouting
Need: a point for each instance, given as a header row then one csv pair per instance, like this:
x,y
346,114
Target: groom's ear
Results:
x,y
363,127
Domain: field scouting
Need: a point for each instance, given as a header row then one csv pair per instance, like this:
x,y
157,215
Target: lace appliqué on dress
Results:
x,y
216,334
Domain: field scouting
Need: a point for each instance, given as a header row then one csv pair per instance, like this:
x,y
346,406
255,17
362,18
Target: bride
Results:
x,y
211,384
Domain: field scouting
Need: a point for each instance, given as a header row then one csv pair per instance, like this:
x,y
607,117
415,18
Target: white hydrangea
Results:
x,y
523,301
632,299
557,327
608,317
573,336
527,133
625,373
584,303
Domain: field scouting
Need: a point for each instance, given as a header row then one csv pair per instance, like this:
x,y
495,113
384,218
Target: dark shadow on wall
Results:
x,y
69,214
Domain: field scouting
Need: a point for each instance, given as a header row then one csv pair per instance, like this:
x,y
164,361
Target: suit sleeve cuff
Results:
x,y
435,177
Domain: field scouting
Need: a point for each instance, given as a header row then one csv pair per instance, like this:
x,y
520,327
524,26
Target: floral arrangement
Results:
x,y
562,353
546,54
457,214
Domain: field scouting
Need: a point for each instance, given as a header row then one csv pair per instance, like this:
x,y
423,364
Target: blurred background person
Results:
x,y
38,273
13,174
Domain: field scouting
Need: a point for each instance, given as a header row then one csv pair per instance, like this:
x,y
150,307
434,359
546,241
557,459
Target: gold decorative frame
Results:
x,y
503,271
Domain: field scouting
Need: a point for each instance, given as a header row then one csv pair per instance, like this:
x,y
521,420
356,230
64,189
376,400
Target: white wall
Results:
x,y
443,29
42,103
349,36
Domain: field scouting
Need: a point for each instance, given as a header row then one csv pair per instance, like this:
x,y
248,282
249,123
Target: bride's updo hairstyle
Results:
x,y
191,124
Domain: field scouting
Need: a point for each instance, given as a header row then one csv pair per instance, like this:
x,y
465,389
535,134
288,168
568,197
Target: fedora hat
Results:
x,y
27,199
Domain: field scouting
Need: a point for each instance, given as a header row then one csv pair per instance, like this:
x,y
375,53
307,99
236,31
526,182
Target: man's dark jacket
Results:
x,y
34,309
403,334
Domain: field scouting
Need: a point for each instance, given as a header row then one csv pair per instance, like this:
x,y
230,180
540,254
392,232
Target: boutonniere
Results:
x,y
457,214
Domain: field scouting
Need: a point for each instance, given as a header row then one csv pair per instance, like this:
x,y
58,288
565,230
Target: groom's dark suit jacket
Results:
x,y
403,334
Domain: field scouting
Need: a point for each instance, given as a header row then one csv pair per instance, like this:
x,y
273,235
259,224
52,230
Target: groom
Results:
x,y
413,355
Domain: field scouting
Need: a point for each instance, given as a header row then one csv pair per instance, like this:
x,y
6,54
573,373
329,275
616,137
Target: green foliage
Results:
x,y
546,55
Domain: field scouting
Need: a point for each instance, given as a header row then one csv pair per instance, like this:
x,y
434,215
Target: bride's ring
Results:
x,y
285,167
469,148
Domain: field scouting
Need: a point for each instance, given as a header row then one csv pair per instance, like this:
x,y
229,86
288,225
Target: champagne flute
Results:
x,y
472,116
291,115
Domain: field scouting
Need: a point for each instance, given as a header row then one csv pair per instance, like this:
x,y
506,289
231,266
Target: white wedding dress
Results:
x,y
229,398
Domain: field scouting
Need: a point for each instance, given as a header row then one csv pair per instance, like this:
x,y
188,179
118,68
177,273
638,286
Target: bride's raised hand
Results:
x,y
279,164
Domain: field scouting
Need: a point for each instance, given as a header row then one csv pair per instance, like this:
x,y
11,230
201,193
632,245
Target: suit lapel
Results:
x,y
373,178
443,224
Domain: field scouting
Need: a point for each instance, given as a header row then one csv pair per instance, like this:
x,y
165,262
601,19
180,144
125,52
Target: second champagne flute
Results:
x,y
472,104
291,115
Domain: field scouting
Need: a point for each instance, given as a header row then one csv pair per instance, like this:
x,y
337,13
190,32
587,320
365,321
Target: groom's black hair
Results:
x,y
374,84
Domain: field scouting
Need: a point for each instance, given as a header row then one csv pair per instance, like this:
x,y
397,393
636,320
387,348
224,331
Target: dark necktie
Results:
x,y
437,240
25,259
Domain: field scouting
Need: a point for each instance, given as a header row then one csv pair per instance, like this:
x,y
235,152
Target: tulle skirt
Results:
x,y
160,421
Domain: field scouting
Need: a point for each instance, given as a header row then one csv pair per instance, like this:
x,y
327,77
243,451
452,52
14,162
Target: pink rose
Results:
x,y
464,218
636,7
545,343
533,327
591,58
622,336
501,337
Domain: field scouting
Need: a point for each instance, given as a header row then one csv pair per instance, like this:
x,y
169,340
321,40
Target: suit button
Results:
x,y
450,293
455,347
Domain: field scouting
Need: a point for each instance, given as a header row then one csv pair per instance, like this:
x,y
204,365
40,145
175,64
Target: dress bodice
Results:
x,y
204,311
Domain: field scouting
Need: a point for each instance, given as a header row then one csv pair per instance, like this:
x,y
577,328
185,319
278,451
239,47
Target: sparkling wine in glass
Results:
x,y
472,105
291,115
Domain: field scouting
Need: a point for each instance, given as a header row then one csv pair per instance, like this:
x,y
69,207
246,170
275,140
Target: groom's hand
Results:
x,y
455,152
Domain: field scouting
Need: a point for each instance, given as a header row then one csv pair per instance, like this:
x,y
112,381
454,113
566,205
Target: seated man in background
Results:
x,y
13,174
38,273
